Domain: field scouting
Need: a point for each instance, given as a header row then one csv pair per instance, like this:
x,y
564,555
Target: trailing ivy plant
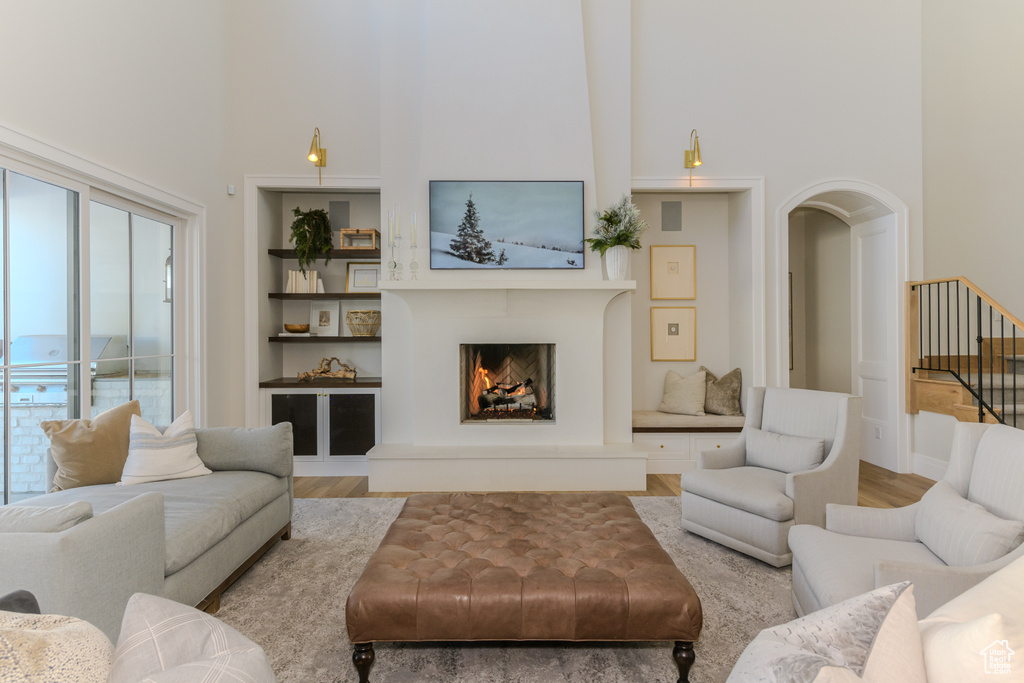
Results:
x,y
311,234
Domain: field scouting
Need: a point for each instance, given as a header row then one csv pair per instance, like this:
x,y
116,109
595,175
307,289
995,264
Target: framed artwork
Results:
x,y
323,318
674,333
507,225
674,271
362,276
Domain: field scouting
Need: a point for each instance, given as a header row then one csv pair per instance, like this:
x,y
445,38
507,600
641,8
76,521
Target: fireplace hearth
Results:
x,y
507,383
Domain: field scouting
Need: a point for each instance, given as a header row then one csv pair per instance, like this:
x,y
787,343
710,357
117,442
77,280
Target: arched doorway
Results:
x,y
873,224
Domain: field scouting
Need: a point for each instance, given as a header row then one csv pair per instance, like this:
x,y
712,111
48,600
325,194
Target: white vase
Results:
x,y
616,262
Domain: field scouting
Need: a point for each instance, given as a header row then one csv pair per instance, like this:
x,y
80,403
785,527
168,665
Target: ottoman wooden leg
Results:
x,y
683,654
362,657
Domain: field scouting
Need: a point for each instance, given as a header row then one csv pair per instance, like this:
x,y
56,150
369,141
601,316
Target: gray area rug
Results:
x,y
292,602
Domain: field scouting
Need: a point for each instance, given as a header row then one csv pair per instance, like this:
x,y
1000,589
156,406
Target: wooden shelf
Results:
x,y
335,253
329,296
322,340
325,383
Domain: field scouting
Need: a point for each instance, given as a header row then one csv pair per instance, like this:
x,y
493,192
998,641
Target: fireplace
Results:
x,y
507,383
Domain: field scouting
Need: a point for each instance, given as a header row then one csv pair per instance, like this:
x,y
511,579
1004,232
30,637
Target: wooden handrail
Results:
x,y
979,292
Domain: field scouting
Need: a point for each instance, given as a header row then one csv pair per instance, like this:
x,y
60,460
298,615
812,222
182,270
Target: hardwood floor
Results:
x,y
878,487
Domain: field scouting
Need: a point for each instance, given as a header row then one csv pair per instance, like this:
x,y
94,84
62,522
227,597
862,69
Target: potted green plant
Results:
x,y
617,231
311,235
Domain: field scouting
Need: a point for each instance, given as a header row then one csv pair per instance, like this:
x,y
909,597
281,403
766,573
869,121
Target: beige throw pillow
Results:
x,y
683,396
723,393
89,452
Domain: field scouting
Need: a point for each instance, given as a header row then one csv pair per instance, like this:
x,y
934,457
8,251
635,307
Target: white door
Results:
x,y
874,354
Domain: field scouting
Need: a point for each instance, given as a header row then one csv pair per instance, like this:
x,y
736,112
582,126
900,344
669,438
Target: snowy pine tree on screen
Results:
x,y
469,243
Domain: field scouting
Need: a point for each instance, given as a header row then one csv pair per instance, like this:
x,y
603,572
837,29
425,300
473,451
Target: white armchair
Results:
x,y
967,526
798,451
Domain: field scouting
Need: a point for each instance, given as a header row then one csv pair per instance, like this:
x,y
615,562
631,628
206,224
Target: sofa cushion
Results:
x,y
198,512
683,395
839,567
165,641
963,533
263,449
997,475
156,456
722,394
31,519
653,420
871,637
753,489
89,452
781,452
48,647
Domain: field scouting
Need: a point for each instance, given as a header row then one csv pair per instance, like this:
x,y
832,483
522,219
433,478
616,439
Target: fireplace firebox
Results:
x,y
502,383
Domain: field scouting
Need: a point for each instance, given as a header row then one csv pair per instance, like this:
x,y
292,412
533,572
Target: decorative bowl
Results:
x,y
296,328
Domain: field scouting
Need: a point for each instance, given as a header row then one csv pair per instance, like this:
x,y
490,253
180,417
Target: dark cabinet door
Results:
x,y
301,411
352,424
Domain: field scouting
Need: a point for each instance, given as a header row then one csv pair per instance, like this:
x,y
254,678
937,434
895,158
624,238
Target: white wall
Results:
x,y
797,92
705,221
820,262
973,107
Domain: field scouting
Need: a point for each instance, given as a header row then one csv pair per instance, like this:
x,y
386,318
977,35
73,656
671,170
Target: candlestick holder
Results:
x,y
395,263
413,266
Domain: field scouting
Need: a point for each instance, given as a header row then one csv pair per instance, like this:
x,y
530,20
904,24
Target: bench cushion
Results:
x,y
528,566
652,419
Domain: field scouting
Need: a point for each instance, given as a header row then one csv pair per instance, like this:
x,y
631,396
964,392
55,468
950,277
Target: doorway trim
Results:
x,y
895,314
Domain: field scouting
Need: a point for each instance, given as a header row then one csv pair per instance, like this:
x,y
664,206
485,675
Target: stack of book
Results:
x,y
304,283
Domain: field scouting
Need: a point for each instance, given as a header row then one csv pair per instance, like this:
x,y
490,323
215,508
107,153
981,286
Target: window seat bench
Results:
x,y
672,441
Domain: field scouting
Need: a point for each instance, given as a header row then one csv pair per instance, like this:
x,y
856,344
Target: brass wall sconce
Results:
x,y
317,154
691,158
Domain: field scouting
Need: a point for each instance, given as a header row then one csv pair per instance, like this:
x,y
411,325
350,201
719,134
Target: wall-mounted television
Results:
x,y
503,224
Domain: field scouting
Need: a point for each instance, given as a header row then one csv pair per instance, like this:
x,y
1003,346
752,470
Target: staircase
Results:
x,y
965,354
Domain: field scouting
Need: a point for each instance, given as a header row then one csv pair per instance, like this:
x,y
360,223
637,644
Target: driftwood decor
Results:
x,y
324,370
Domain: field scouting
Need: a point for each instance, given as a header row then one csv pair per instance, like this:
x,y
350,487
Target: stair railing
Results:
x,y
956,328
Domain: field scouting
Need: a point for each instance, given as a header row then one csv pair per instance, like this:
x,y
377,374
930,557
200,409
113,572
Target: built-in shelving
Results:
x,y
324,383
338,296
314,339
335,253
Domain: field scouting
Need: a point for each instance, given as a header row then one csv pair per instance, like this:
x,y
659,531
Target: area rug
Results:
x,y
292,602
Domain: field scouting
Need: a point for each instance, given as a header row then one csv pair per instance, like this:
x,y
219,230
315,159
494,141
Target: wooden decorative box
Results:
x,y
360,238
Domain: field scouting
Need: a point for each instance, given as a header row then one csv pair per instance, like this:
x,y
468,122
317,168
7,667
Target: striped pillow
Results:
x,y
153,456
962,533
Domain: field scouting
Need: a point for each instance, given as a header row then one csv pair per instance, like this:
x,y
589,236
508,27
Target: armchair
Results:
x,y
971,523
798,451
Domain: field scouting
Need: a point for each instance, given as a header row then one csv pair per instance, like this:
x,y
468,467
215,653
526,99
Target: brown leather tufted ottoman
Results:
x,y
521,566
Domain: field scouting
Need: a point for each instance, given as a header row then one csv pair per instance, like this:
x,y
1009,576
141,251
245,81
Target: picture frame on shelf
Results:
x,y
362,277
324,318
673,333
673,271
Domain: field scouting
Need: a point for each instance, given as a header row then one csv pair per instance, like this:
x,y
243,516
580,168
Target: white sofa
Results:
x,y
183,539
976,636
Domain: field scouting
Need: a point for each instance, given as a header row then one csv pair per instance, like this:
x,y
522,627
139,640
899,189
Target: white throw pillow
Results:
x,y
781,452
960,652
153,456
49,647
163,641
31,519
683,395
962,533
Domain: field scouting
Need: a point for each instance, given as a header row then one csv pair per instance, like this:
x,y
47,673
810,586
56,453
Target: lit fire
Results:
x,y
485,376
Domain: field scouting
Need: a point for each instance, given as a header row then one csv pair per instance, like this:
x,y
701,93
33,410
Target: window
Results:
x,y
83,275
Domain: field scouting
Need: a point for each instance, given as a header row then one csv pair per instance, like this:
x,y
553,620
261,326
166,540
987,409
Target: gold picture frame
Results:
x,y
362,276
673,271
673,333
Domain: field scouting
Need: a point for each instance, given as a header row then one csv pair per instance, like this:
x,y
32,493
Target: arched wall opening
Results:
x,y
848,333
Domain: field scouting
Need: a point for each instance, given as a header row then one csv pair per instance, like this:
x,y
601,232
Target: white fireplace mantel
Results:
x,y
556,285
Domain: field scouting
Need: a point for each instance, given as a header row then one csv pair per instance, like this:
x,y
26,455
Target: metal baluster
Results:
x,y
949,364
929,327
959,372
981,381
991,360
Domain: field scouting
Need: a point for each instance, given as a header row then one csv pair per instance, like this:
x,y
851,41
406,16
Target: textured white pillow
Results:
x,y
684,396
781,452
49,647
153,456
953,650
165,641
962,533
31,519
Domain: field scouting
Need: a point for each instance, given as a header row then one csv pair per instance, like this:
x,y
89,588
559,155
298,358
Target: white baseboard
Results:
x,y
928,466
359,468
